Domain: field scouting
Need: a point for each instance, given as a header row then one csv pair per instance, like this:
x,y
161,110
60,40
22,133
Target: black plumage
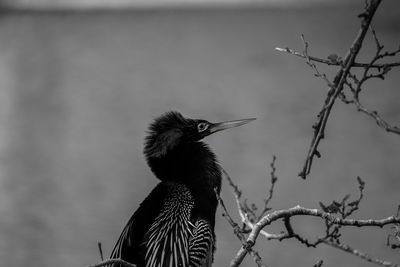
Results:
x,y
174,225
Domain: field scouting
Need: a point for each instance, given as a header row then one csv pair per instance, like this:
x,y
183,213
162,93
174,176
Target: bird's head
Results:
x,y
172,129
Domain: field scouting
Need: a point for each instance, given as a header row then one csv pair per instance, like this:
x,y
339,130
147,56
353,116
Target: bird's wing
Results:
x,y
158,232
201,247
117,251
167,241
131,245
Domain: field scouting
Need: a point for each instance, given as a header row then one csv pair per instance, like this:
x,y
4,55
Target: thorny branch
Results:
x,y
341,80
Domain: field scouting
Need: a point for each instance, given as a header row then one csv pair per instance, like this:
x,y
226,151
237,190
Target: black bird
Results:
x,y
174,225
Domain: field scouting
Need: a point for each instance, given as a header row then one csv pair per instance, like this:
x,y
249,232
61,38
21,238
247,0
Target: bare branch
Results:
x,y
378,119
100,251
313,66
339,81
292,234
333,59
274,179
335,215
238,232
298,210
236,229
366,75
337,62
243,212
360,254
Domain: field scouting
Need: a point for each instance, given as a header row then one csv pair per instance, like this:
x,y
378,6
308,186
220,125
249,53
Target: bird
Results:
x,y
174,225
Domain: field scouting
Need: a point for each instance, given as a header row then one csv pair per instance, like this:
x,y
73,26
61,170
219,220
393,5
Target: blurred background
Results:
x,y
81,80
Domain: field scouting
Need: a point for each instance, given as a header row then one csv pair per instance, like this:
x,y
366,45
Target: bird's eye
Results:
x,y
202,126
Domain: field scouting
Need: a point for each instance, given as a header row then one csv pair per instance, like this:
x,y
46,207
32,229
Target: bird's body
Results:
x,y
174,225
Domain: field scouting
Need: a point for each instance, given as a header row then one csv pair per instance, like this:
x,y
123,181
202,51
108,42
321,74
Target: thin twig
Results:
x,y
243,213
366,75
360,254
331,62
274,178
378,119
238,232
100,251
236,229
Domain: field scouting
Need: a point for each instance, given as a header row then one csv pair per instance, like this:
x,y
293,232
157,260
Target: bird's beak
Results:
x,y
216,127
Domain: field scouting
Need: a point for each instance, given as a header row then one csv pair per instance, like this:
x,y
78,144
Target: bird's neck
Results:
x,y
196,166
192,164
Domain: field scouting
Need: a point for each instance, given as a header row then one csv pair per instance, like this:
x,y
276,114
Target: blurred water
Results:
x,y
79,89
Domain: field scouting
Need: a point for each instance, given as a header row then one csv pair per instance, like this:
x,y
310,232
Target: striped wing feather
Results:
x,y
171,240
201,245
167,241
